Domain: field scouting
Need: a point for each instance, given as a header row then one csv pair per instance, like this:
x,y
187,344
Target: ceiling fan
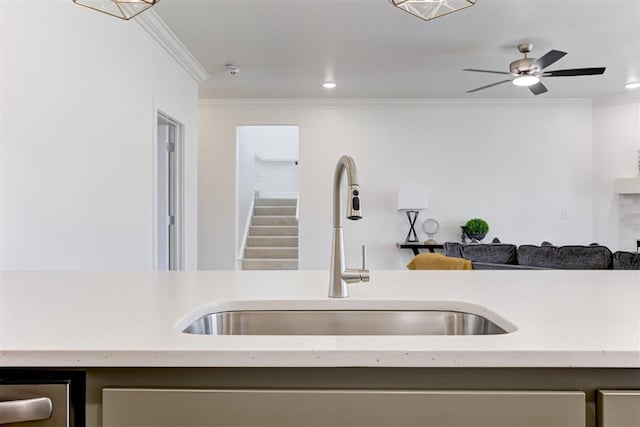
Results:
x,y
528,72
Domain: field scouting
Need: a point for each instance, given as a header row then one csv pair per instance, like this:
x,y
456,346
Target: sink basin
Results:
x,y
342,322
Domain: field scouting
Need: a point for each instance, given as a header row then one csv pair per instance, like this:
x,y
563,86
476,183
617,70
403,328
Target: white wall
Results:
x,y
516,164
273,142
277,179
78,91
273,151
616,141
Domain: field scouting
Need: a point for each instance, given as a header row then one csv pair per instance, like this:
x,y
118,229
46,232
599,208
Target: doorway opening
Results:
x,y
267,197
168,230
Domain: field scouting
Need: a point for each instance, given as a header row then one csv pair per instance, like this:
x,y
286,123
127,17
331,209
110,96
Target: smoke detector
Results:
x,y
232,69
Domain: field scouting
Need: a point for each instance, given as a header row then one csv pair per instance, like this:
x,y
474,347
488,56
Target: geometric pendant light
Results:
x,y
431,9
123,9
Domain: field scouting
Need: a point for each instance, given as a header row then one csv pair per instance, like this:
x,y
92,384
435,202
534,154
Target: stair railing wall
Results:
x,y
243,245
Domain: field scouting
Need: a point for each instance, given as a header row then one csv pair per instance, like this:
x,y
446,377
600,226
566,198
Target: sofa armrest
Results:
x,y
626,261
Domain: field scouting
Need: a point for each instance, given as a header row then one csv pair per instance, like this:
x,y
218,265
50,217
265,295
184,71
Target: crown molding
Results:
x,y
606,101
382,103
162,34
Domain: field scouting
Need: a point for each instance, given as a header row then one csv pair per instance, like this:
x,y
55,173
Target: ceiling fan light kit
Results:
x,y
431,9
528,72
123,9
526,81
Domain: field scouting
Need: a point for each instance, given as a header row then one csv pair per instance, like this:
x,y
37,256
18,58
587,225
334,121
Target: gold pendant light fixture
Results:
x,y
431,9
123,9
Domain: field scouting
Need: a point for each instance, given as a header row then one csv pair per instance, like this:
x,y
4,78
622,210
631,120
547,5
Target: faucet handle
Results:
x,y
364,273
355,275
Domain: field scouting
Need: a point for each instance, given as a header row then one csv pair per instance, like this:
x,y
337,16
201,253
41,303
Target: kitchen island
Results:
x,y
567,330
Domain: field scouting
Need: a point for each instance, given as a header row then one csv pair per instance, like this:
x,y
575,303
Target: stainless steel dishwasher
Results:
x,y
38,398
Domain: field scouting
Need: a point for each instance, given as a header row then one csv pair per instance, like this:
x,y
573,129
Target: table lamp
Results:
x,y
412,200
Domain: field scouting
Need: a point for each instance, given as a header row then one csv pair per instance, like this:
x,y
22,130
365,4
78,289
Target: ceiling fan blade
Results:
x,y
485,71
575,72
487,86
538,88
549,58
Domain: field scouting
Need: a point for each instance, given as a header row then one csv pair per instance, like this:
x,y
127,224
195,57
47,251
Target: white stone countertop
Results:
x,y
558,318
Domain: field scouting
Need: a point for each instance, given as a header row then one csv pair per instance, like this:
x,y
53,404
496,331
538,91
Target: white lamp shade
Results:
x,y
412,199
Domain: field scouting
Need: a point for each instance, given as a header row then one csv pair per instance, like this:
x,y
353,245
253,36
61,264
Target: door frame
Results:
x,y
239,247
179,189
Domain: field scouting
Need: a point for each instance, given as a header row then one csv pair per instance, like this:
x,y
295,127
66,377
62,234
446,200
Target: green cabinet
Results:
x,y
619,408
122,407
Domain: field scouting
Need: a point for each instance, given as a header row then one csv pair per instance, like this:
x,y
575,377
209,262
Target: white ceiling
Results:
x,y
287,48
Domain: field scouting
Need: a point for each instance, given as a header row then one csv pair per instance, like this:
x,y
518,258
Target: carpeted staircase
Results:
x,y
272,243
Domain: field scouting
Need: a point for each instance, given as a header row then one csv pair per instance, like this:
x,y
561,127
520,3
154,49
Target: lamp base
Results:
x,y
412,236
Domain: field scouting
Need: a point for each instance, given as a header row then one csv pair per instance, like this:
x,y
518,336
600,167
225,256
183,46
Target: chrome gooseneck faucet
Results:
x,y
341,276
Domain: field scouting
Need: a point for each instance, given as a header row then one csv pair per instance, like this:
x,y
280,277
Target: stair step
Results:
x,y
275,202
272,230
271,253
274,220
271,241
269,264
274,210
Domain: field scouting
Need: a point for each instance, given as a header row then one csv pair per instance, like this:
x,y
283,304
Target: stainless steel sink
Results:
x,y
343,322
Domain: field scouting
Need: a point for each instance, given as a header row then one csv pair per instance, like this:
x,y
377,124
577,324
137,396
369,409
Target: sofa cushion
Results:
x,y
495,253
566,257
453,249
491,266
626,261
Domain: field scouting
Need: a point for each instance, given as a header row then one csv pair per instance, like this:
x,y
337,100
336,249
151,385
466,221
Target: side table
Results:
x,y
415,247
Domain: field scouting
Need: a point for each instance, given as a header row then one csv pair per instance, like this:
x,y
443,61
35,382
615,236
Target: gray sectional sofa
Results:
x,y
502,256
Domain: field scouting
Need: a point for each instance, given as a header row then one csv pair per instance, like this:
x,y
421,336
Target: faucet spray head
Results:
x,y
353,206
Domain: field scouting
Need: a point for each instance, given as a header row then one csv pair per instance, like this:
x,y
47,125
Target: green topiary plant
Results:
x,y
476,226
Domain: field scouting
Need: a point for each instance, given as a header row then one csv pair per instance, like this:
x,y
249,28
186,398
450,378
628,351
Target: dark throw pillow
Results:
x,y
453,249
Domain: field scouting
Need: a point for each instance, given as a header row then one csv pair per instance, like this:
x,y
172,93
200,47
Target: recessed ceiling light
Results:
x,y
632,85
526,80
329,85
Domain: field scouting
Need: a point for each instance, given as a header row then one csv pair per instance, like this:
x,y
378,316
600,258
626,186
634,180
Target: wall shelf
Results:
x,y
627,185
